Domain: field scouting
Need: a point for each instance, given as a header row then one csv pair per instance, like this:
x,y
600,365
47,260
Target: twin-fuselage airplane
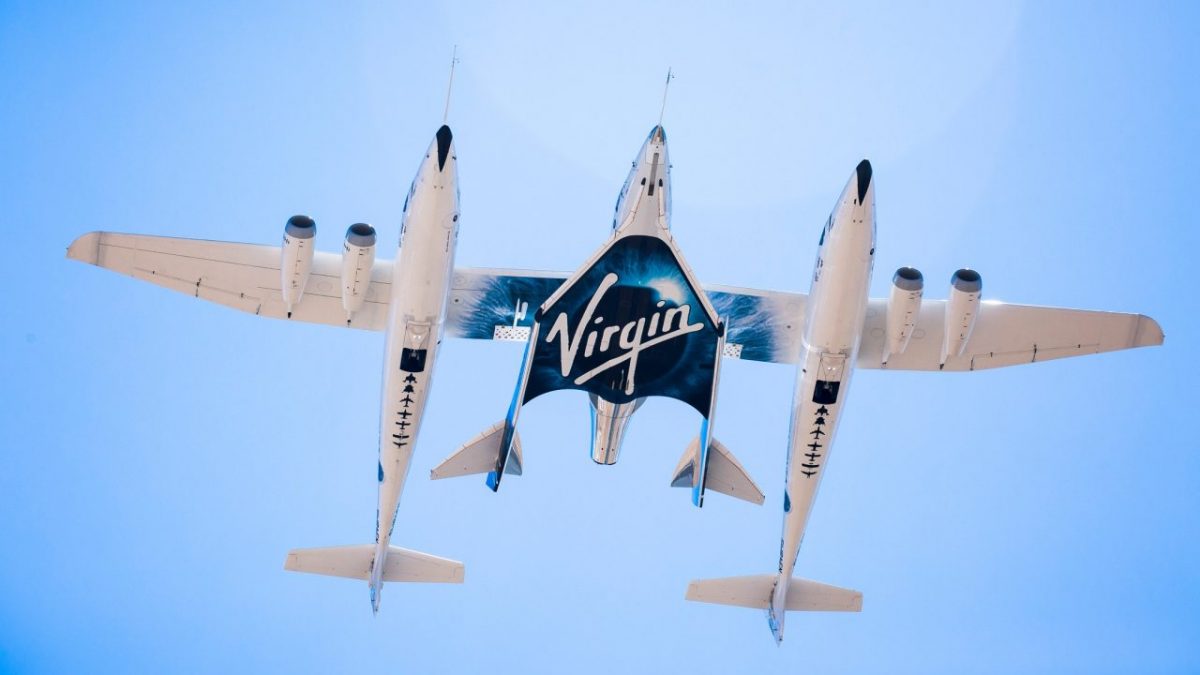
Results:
x,y
630,323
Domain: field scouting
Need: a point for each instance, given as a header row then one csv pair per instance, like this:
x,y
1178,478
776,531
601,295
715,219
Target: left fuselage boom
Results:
x,y
420,284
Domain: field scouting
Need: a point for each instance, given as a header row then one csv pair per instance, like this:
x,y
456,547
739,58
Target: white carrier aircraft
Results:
x,y
422,297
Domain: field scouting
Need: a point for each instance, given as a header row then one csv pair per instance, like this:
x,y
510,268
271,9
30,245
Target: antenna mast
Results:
x,y
666,86
450,84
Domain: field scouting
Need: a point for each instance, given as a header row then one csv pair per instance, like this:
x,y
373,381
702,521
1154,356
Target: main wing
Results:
x,y
242,276
498,304
1006,335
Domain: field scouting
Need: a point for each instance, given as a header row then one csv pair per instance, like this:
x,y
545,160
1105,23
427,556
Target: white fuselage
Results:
x,y
835,313
420,281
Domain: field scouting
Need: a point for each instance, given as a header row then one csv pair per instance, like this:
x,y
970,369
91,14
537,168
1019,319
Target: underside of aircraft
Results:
x,y
630,322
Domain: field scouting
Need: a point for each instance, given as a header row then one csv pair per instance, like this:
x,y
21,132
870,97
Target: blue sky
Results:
x,y
161,455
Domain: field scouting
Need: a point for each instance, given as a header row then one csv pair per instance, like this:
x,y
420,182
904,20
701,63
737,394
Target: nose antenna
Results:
x,y
450,84
666,86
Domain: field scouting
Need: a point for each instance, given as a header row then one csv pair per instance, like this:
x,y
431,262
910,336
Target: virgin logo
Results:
x,y
625,341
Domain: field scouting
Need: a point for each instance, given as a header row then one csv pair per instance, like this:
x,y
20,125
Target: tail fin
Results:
x,y
354,562
725,473
478,455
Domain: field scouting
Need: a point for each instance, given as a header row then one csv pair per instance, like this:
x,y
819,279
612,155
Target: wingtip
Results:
x,y
1148,333
85,248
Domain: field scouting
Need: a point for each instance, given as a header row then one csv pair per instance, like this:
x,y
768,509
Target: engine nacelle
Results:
x,y
904,306
608,427
298,240
961,311
358,257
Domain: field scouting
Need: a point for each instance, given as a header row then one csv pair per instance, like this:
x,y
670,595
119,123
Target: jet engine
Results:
x,y
961,311
297,258
358,257
904,306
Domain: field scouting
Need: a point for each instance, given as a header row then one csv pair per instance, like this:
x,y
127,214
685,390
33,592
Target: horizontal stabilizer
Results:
x,y
479,454
725,473
755,592
354,562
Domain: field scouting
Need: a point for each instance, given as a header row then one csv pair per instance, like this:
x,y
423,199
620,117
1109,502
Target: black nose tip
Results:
x,y
443,142
864,179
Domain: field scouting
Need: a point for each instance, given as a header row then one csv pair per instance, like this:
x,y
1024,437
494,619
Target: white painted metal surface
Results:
x,y
296,265
904,306
836,307
358,258
420,283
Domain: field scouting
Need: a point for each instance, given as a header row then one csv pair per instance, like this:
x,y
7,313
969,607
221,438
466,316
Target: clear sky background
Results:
x,y
161,455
